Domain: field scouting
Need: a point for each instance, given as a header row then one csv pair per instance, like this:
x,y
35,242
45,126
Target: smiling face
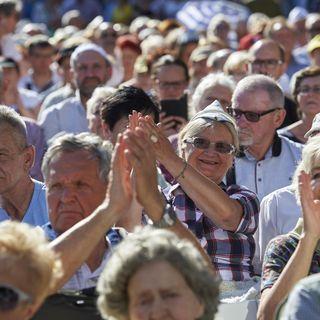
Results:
x,y
210,163
309,103
74,188
158,291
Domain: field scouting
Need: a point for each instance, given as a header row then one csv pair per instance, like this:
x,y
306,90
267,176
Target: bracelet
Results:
x,y
181,174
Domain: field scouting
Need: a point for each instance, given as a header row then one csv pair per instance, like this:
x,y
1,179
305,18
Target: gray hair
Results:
x,y
98,96
9,117
209,81
99,150
196,126
253,83
309,161
149,245
214,22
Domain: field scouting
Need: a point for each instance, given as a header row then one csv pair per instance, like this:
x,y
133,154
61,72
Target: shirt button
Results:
x,y
259,179
259,164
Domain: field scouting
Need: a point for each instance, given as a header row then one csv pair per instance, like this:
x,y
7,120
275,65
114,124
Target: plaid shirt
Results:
x,y
278,252
231,252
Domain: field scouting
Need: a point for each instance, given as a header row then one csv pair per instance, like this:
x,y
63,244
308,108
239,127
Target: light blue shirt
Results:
x,y
273,172
68,116
37,213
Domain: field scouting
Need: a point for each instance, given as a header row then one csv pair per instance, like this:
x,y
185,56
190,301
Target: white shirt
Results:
x,y
68,116
279,213
273,172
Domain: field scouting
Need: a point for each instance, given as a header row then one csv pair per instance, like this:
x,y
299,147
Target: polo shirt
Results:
x,y
37,213
271,173
68,116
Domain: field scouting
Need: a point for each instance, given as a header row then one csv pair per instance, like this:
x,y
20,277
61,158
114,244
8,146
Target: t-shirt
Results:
x,y
37,213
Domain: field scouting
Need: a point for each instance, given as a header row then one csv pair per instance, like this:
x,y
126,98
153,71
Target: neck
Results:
x,y
258,151
16,201
96,257
84,101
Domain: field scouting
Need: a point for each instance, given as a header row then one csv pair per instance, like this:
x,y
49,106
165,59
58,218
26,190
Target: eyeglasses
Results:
x,y
204,144
306,90
249,115
171,84
269,63
10,297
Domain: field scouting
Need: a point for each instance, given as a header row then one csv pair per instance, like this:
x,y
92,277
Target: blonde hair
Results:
x,y
25,247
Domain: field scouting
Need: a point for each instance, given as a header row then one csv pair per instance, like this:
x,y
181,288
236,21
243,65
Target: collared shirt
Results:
x,y
85,278
273,172
68,116
279,252
37,213
231,252
279,213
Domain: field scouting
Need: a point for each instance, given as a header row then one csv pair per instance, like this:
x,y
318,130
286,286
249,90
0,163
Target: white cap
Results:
x,y
297,14
88,47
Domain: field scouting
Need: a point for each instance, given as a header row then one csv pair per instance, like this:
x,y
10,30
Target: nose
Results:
x,y
67,194
158,310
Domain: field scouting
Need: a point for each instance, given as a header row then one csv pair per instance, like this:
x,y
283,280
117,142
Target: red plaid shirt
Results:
x,y
231,252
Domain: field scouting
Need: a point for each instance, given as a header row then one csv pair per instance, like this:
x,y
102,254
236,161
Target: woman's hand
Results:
x,y
171,124
310,206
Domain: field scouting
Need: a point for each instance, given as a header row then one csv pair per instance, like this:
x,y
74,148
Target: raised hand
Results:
x,y
171,124
310,206
119,194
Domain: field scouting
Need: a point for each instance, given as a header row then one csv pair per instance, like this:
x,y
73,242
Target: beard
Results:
x,y
246,137
88,85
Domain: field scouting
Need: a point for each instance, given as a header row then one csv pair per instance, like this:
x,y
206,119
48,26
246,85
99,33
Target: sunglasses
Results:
x,y
204,144
11,297
249,115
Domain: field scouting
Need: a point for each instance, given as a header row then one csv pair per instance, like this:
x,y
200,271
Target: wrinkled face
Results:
x,y
266,60
74,188
198,69
158,291
254,133
171,82
15,161
91,71
41,59
218,92
211,163
309,97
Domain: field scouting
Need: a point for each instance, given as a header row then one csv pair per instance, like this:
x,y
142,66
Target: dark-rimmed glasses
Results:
x,y
249,115
11,297
205,144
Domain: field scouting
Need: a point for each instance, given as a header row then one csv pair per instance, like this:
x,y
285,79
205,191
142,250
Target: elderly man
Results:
x,y
21,198
76,169
91,68
266,57
268,161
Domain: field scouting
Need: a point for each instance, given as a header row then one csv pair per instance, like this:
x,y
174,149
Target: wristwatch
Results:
x,y
168,218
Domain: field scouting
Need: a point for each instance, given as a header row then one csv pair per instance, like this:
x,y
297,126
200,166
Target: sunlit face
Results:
x,y
255,133
91,71
129,57
159,291
74,188
210,163
198,69
218,92
171,82
309,102
15,161
41,59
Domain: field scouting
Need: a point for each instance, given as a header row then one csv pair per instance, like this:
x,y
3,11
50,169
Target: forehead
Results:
x,y
266,49
171,72
9,138
78,163
257,100
88,57
217,131
311,80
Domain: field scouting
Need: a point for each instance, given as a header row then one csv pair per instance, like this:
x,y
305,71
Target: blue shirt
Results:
x,y
37,212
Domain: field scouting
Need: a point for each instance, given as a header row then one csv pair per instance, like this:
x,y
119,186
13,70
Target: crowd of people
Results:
x,y
168,168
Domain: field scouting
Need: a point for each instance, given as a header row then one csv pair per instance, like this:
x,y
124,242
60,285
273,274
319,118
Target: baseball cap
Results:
x,y
314,43
315,126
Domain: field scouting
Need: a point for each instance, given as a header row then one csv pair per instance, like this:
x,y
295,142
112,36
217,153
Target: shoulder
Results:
x,y
291,144
282,193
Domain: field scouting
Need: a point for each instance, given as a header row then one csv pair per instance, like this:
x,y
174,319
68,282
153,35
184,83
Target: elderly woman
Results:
x,y
23,289
223,219
155,275
215,86
306,92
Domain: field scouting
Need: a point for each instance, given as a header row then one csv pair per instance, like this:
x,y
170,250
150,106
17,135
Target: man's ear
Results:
x,y
29,156
107,134
279,117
